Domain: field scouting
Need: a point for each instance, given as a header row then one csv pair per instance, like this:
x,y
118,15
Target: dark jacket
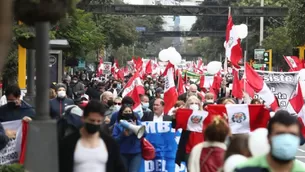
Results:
x,y
3,138
67,148
128,144
12,114
149,116
180,154
57,106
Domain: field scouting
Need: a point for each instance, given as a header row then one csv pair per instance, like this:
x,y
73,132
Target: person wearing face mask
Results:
x,y
145,103
107,99
84,79
78,88
284,139
58,104
130,145
188,139
15,108
158,112
90,149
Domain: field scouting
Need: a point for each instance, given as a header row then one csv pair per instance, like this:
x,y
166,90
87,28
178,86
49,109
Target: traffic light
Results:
x,y
268,58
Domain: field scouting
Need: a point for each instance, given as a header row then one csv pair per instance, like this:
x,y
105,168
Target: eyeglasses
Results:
x,y
117,103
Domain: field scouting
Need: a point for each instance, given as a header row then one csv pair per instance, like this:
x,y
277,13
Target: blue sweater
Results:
x,y
128,144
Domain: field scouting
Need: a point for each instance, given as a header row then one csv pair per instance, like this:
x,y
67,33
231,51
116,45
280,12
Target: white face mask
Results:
x,y
145,105
61,94
210,101
117,107
162,96
194,107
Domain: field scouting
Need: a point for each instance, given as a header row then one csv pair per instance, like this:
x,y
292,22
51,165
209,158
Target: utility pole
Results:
x,y
261,28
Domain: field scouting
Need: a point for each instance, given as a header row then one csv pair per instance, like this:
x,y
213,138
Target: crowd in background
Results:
x,y
89,109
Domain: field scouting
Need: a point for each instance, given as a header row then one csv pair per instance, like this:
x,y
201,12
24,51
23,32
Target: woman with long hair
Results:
x,y
130,145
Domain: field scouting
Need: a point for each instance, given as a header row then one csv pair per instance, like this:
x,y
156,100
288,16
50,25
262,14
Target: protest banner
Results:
x,y
12,151
282,84
165,139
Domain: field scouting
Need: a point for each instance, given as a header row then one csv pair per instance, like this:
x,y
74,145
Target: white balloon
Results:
x,y
176,58
233,161
213,67
242,31
258,142
163,55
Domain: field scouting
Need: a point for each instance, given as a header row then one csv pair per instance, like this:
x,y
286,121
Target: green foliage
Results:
x,y
12,168
296,22
279,3
23,31
119,30
210,48
82,33
280,43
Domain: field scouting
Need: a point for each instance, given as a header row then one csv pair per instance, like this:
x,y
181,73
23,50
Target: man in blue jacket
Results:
x,y
58,104
15,109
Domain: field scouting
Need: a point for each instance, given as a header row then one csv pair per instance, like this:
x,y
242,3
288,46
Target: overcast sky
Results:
x,y
186,22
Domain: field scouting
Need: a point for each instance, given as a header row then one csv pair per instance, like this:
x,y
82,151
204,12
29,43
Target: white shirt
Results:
x,y
158,118
90,159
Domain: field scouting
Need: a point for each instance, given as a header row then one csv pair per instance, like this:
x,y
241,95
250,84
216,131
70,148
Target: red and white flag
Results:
x,y
16,146
296,103
170,92
294,63
260,87
242,118
134,83
232,44
181,85
100,68
237,88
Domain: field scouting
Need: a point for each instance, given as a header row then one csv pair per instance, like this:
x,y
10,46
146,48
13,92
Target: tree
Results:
x,y
280,43
296,22
210,48
82,33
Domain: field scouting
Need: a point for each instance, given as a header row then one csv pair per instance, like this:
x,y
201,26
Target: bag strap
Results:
x,y
206,157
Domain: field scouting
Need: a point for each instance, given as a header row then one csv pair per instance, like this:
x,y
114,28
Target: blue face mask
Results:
x,y
285,146
119,86
145,105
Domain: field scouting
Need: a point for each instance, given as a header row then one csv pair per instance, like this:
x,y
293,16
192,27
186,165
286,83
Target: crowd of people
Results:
x,y
97,142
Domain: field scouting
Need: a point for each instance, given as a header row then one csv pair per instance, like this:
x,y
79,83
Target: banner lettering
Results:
x,y
165,139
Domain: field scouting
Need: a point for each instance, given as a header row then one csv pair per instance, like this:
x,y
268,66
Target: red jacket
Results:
x,y
211,159
207,157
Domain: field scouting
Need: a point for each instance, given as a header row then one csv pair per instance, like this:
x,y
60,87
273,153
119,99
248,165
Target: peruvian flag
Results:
x,y
181,86
247,88
100,68
232,44
296,103
260,87
294,63
242,118
237,88
115,67
148,68
134,83
170,92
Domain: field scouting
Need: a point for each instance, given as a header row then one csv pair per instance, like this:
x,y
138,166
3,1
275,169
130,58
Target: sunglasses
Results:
x,y
117,103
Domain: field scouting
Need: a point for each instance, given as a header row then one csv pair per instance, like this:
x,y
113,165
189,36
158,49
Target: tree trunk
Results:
x,y
5,29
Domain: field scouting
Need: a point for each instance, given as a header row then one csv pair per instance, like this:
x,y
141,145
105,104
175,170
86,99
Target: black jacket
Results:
x,y
149,116
11,114
57,106
67,148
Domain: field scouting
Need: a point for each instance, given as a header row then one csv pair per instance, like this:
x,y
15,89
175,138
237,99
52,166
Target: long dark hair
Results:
x,y
120,113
